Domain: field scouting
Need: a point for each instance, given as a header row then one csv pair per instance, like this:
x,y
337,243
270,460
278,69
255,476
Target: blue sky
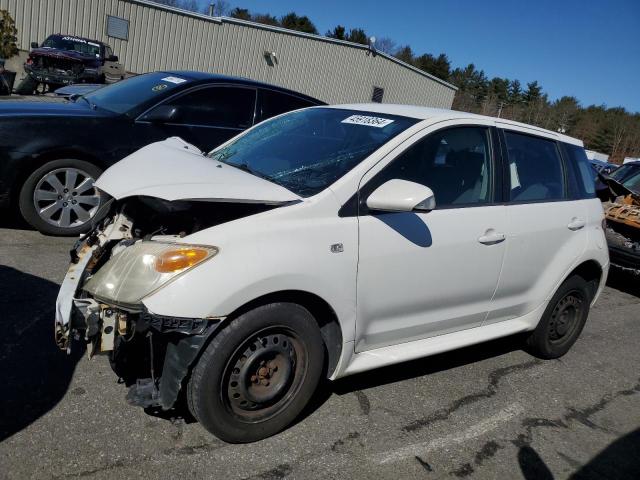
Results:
x,y
588,49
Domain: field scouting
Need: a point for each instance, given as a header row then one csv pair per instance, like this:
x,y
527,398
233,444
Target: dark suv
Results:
x,y
66,59
51,151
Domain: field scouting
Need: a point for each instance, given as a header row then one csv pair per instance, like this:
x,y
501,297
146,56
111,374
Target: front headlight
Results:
x,y
142,268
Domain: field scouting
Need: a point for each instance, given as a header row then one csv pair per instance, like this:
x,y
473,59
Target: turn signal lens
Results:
x,y
177,259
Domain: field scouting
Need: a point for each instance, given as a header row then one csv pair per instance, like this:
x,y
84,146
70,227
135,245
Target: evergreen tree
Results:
x,y
241,13
405,54
293,21
338,32
8,36
358,35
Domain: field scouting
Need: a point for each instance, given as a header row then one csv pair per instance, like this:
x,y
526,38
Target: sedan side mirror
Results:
x,y
34,45
162,114
402,196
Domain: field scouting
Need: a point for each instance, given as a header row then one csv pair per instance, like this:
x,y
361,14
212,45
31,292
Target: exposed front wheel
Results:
x,y
563,320
59,197
258,373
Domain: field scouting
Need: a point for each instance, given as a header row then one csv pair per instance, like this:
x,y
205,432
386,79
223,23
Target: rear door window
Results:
x,y
274,103
536,171
225,107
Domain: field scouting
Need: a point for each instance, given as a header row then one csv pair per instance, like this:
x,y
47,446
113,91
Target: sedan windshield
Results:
x,y
308,150
128,94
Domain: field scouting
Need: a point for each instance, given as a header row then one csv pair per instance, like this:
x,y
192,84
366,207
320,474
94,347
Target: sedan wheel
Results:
x,y
66,197
59,198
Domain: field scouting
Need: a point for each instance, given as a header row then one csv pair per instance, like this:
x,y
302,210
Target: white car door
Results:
x,y
425,274
546,232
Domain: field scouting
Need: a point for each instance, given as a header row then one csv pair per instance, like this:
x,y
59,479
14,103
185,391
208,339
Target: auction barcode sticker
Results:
x,y
377,122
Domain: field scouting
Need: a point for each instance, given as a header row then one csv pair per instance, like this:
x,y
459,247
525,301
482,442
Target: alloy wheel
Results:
x,y
66,197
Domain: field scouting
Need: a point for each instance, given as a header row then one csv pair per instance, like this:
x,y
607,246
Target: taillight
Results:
x,y
29,61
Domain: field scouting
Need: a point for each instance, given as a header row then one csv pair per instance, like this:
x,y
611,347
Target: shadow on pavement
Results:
x,y
34,373
428,365
623,281
411,369
618,461
12,220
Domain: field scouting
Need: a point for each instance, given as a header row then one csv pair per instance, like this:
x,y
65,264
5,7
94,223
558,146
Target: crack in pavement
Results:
x,y
276,473
524,440
363,401
492,388
572,414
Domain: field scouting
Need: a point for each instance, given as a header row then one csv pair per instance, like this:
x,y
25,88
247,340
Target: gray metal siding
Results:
x,y
161,38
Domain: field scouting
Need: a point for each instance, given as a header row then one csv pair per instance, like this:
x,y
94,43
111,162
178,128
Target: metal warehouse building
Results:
x,y
148,37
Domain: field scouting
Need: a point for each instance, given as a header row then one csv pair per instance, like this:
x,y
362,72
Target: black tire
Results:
x,y
562,321
31,209
27,86
258,373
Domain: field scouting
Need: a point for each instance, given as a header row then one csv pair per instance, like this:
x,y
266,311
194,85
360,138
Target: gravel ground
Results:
x,y
490,411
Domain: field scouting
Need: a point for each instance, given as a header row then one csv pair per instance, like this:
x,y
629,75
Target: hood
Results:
x,y
47,106
176,170
619,189
63,54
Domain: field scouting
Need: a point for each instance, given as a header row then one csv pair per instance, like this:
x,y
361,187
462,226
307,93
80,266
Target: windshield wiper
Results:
x,y
246,168
92,106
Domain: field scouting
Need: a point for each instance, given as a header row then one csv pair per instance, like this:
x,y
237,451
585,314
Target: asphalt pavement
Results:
x,y
490,411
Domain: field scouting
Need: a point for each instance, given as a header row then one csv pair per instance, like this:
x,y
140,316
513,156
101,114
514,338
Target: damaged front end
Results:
x,y
160,195
133,251
623,232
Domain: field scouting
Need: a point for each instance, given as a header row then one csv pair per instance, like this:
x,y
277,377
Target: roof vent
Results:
x,y
378,93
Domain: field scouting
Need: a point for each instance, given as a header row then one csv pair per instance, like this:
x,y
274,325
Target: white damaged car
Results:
x,y
325,242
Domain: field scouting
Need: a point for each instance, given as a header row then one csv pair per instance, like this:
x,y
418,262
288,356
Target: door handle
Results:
x,y
491,238
576,224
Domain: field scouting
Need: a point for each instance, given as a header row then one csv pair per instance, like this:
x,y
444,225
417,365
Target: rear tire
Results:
x,y
258,373
562,321
59,198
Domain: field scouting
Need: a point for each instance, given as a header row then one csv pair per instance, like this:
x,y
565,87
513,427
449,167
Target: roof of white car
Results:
x,y
439,114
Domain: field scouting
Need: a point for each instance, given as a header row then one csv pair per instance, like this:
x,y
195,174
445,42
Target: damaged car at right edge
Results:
x,y
326,242
622,213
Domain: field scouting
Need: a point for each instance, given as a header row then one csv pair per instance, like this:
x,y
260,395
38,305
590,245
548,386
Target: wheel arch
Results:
x,y
591,271
31,163
322,312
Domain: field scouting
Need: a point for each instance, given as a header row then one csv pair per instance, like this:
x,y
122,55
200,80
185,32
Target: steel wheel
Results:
x,y
565,317
66,197
263,374
258,373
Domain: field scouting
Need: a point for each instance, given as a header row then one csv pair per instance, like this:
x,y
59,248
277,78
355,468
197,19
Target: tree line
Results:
x,y
613,131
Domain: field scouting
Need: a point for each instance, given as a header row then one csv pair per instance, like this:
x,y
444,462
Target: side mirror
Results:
x,y
34,45
402,196
112,58
162,114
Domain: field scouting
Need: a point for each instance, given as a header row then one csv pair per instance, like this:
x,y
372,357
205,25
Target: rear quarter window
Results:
x,y
585,176
274,103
